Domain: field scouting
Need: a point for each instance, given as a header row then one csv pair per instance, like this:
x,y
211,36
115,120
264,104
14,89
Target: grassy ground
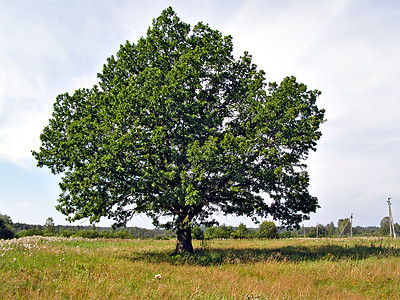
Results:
x,y
56,268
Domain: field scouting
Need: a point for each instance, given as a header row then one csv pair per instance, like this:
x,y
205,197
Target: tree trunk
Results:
x,y
184,242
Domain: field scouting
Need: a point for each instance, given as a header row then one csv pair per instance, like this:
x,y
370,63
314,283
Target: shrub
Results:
x,y
29,232
67,233
88,234
122,234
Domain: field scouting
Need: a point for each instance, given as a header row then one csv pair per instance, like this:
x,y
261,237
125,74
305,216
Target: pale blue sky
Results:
x,y
350,50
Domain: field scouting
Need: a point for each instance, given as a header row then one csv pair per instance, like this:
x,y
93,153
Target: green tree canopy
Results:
x,y
344,226
49,226
179,128
241,232
6,231
197,233
385,226
267,230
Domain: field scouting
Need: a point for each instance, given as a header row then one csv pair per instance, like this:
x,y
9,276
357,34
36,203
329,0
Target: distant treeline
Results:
x,y
321,231
9,229
266,229
92,232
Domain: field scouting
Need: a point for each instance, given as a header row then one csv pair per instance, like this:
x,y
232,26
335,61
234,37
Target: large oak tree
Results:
x,y
179,129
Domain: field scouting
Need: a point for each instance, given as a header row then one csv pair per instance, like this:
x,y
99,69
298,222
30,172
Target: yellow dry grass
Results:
x,y
233,269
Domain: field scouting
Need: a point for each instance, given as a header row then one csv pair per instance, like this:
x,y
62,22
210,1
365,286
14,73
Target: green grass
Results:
x,y
56,268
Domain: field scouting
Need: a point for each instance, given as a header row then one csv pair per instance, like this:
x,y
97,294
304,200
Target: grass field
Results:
x,y
57,268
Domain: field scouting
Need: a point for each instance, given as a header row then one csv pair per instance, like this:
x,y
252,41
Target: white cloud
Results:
x,y
46,50
20,135
278,35
347,49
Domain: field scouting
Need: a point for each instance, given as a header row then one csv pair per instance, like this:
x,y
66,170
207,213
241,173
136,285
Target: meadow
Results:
x,y
77,268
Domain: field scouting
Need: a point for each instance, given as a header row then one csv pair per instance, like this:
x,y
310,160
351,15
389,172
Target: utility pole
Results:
x,y
317,230
345,226
351,225
392,231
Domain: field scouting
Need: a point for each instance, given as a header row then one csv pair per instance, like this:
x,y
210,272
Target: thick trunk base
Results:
x,y
184,242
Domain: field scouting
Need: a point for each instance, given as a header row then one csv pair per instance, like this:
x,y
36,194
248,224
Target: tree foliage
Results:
x,y
241,232
344,226
6,223
330,229
49,226
385,226
179,129
318,231
197,233
267,230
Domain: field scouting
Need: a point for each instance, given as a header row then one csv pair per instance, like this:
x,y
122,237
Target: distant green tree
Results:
x,y
252,233
287,234
267,230
6,219
385,226
6,231
209,233
330,228
241,232
197,233
121,234
49,227
397,228
344,226
67,233
49,222
223,232
321,231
